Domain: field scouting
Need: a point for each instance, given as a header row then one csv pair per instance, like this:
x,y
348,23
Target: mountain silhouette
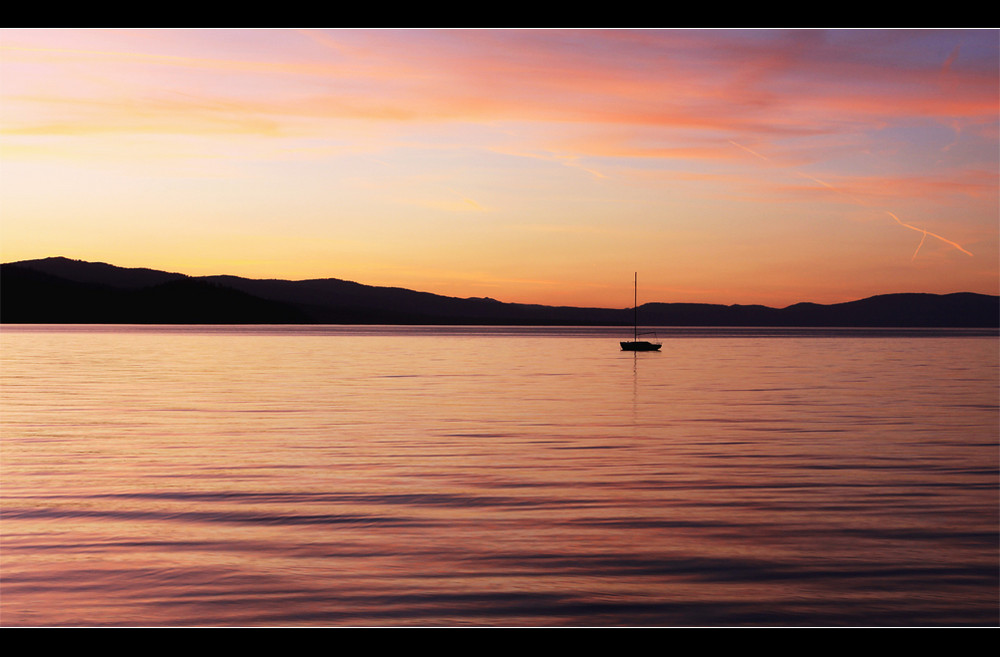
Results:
x,y
61,290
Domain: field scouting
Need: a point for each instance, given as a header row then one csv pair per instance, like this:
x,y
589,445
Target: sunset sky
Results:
x,y
537,166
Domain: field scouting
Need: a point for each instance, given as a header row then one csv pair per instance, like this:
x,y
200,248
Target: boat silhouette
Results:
x,y
635,344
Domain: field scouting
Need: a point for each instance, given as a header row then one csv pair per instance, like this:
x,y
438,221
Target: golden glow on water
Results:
x,y
365,476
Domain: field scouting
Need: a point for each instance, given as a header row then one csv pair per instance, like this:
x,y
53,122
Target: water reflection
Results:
x,y
418,476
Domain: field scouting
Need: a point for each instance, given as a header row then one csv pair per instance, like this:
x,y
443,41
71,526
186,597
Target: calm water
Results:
x,y
420,476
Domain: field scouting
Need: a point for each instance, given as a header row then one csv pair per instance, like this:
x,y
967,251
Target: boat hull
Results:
x,y
640,345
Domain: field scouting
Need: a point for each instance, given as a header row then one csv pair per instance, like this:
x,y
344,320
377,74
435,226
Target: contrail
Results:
x,y
748,150
859,202
926,233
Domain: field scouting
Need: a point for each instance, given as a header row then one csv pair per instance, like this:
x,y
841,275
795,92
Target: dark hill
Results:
x,y
60,290
957,310
29,295
334,301
100,273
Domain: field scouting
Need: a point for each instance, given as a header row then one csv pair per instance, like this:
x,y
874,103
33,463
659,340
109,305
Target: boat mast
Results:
x,y
635,307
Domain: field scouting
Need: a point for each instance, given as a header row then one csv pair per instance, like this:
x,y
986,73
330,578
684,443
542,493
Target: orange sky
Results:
x,y
541,166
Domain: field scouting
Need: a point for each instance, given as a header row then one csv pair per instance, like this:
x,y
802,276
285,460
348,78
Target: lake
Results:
x,y
472,476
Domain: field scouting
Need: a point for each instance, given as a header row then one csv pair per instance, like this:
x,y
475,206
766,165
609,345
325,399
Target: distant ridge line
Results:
x,y
61,290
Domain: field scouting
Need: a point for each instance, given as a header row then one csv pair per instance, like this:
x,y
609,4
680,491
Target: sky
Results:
x,y
535,166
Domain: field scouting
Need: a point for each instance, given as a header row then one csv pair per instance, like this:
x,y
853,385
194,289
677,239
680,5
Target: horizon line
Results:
x,y
473,298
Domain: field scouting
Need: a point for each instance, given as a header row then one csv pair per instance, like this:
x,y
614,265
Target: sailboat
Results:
x,y
636,344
